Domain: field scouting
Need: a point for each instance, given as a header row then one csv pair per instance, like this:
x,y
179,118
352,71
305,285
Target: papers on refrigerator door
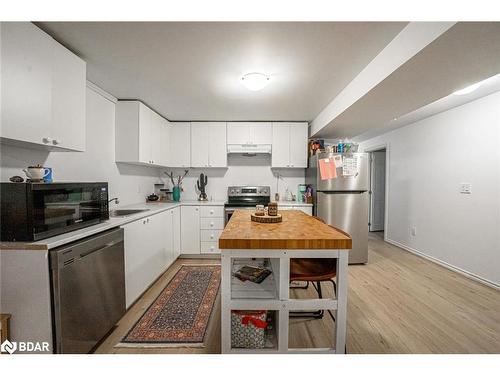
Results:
x,y
350,166
338,161
327,168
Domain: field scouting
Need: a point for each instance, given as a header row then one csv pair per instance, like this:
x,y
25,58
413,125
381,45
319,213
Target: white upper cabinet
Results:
x,y
160,139
180,145
68,99
249,133
42,89
208,144
142,136
289,145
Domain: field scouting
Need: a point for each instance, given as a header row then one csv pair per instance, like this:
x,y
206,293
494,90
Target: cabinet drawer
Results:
x,y
212,223
210,235
212,211
210,247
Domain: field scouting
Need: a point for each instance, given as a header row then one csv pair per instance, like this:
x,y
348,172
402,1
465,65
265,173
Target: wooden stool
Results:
x,y
4,327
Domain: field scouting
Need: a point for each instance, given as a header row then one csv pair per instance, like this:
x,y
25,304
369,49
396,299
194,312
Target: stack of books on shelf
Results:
x,y
255,274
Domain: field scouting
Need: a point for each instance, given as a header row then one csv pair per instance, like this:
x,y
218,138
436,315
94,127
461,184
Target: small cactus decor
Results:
x,y
201,184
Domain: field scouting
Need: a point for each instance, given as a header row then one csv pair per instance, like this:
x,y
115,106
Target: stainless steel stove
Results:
x,y
245,198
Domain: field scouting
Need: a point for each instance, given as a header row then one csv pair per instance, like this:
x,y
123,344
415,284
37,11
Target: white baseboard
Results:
x,y
465,273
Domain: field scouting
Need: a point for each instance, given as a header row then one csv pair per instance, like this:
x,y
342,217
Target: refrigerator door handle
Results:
x,y
342,191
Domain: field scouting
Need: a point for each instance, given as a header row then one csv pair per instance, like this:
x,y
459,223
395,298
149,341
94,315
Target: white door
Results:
x,y
137,259
164,146
68,99
217,156
261,133
190,230
145,132
377,187
199,144
298,145
26,81
238,133
156,138
180,145
169,237
281,146
176,231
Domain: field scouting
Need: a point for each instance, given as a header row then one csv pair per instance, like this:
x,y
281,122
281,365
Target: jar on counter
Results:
x,y
272,209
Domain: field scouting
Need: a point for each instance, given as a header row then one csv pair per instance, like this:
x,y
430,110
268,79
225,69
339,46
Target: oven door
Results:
x,y
228,212
63,207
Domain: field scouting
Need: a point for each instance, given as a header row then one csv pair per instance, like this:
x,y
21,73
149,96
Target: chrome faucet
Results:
x,y
114,199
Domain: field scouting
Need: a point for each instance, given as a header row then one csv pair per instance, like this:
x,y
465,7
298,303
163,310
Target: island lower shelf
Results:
x,y
274,297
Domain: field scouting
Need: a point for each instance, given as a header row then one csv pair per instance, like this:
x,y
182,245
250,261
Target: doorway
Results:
x,y
377,190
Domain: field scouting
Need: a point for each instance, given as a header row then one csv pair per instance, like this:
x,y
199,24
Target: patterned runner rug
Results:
x,y
179,316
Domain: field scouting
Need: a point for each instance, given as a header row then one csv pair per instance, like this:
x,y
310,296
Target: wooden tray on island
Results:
x,y
266,218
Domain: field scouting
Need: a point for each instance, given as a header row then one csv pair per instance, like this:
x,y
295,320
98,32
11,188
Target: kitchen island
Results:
x,y
298,236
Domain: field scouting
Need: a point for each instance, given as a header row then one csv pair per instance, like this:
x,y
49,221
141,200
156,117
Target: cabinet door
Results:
x,y
26,81
168,229
261,133
145,133
166,133
281,146
190,230
68,99
159,228
180,145
238,133
217,147
298,145
199,144
156,137
138,262
176,231
160,139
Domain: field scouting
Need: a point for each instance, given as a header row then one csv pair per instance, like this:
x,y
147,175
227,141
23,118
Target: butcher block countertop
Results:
x,y
297,231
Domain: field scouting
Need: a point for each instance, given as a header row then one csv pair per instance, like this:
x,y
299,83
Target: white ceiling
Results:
x,y
191,71
467,53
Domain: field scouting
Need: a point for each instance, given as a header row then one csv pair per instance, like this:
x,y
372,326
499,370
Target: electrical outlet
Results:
x,y
413,231
465,188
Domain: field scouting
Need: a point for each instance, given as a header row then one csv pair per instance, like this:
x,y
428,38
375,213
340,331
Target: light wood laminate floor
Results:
x,y
398,303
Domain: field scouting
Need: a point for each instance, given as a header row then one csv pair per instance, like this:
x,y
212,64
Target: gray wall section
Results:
x,y
25,293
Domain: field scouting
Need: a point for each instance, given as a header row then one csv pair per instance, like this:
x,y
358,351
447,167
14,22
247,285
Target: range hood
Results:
x,y
249,149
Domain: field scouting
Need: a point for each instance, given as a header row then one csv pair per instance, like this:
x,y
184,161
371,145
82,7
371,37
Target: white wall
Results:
x,y
132,183
242,170
427,162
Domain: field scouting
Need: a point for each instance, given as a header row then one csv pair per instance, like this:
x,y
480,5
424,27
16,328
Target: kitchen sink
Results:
x,y
124,212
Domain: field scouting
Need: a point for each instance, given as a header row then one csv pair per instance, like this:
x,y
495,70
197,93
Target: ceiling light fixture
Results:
x,y
255,81
468,89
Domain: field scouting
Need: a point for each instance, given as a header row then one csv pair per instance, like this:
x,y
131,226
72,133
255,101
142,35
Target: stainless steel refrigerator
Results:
x,y
343,201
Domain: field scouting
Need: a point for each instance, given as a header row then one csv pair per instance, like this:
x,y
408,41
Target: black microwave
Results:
x,y
34,211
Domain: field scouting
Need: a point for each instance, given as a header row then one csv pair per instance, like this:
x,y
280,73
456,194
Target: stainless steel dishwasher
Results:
x,y
88,290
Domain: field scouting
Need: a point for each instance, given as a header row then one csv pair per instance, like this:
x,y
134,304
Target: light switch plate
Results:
x,y
465,188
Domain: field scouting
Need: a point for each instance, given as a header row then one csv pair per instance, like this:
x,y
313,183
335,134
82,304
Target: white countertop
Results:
x,y
113,222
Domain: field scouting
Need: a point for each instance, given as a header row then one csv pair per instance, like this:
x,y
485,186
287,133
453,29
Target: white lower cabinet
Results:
x,y
190,230
212,225
176,231
149,252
